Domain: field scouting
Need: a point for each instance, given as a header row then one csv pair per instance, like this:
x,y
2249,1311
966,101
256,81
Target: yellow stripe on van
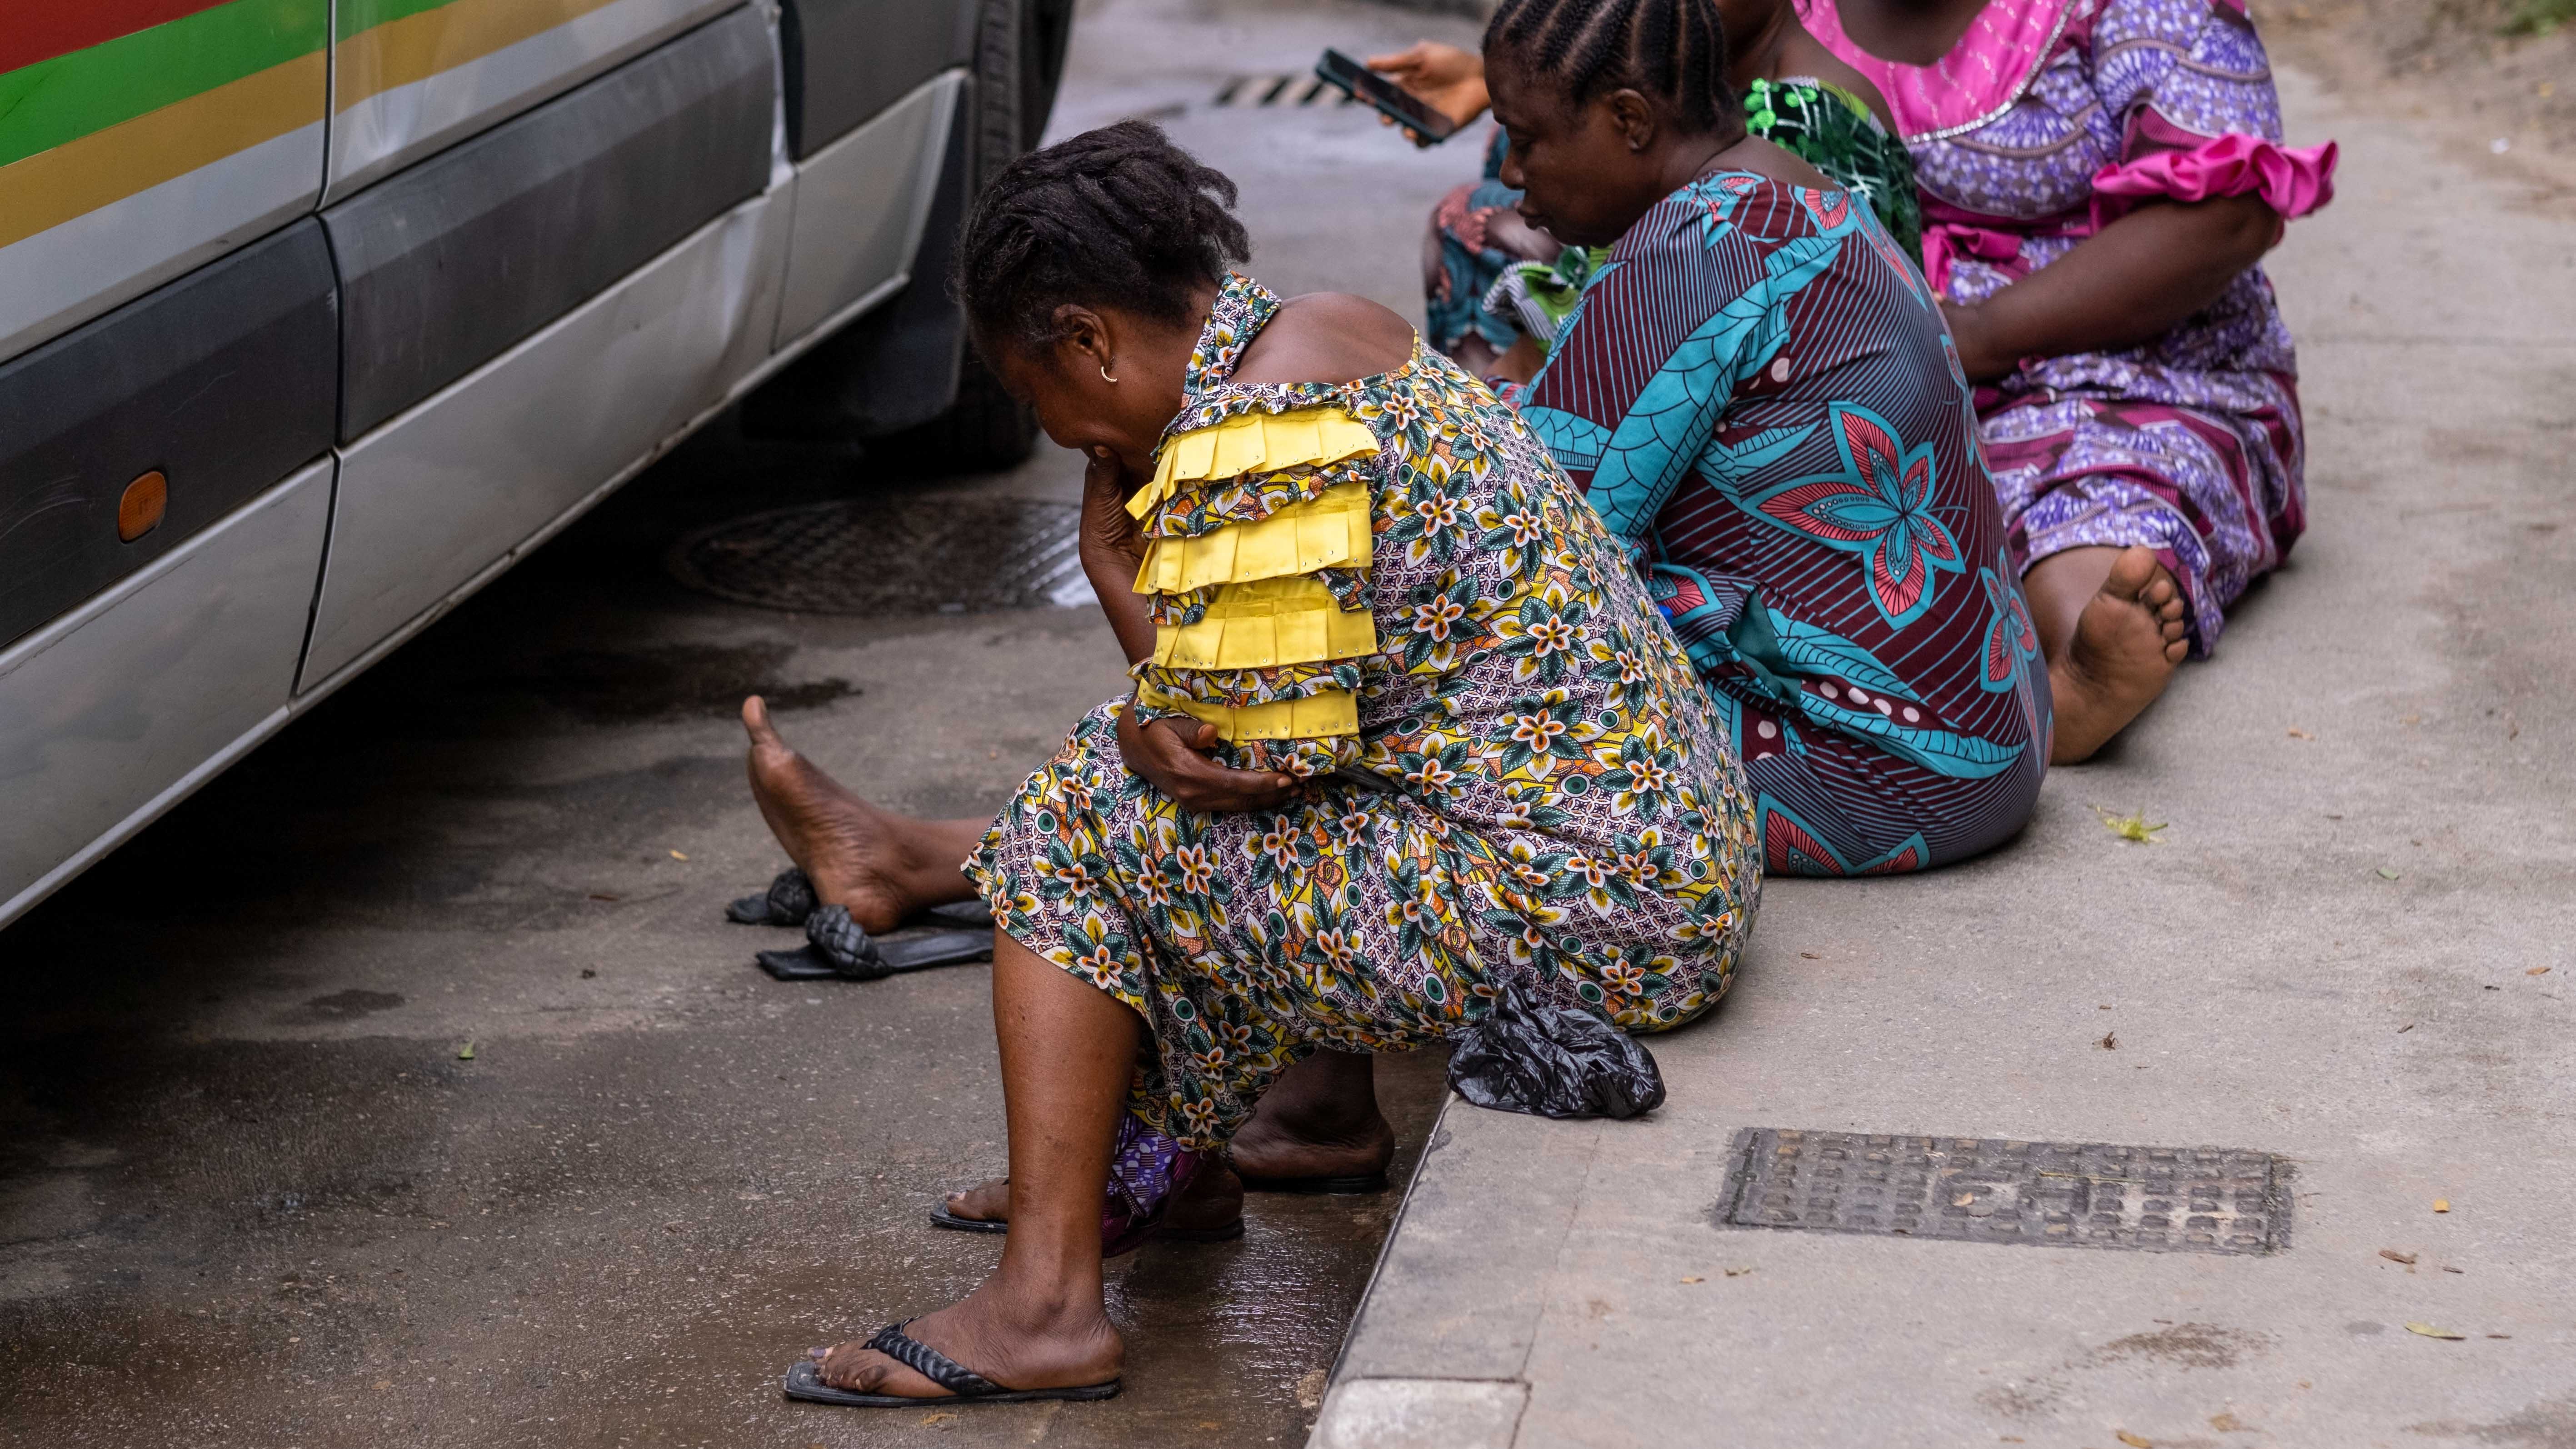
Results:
x,y
106,166
417,47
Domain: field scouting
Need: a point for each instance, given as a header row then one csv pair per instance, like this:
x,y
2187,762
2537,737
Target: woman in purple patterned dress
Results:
x,y
2099,179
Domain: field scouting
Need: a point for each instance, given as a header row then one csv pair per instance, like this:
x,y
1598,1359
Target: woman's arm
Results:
x,y
1112,552
1174,754
2124,285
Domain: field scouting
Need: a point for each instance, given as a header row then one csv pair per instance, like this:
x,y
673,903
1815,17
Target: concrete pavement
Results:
x,y
2348,948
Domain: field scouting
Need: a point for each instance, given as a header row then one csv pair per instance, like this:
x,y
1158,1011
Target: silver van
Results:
x,y
316,315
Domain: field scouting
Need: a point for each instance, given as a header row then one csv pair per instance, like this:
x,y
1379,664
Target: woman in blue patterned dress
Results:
x,y
1405,726
1758,392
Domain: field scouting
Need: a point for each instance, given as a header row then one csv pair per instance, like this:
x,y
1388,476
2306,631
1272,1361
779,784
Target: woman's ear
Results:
x,y
1084,336
1633,116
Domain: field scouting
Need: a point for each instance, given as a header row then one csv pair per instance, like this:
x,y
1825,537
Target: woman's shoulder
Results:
x,y
1326,337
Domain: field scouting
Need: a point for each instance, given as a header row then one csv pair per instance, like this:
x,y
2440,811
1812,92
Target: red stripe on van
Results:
x,y
34,30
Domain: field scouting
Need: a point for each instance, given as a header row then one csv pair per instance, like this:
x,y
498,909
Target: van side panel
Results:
x,y
861,204
224,381
442,498
448,264
418,75
114,712
849,59
132,151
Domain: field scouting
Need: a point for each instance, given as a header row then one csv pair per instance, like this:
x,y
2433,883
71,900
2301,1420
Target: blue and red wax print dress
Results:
x,y
1760,396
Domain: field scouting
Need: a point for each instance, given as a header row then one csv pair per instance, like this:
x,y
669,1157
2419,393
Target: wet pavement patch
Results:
x,y
1996,1190
338,1006
667,680
922,554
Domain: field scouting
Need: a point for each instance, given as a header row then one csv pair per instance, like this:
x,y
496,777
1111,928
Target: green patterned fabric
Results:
x,y
1832,130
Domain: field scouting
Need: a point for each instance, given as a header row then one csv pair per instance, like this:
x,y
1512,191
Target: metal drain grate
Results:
x,y
1992,1190
1292,89
923,555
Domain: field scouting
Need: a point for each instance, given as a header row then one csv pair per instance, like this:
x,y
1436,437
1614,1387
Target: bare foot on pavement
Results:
x,y
2126,645
852,851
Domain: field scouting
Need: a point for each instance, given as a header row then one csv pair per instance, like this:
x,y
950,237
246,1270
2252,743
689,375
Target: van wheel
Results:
x,y
984,431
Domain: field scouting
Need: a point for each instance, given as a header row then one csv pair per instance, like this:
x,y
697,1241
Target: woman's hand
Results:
x,y
1452,80
1173,756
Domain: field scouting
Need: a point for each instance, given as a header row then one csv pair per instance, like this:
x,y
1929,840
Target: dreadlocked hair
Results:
x,y
1117,216
1672,50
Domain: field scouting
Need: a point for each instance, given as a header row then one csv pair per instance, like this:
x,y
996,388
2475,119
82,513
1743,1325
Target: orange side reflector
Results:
x,y
139,511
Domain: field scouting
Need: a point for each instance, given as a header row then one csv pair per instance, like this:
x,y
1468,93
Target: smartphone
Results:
x,y
1429,126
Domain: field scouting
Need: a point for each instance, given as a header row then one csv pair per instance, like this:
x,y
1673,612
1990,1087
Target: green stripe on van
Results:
x,y
62,99
360,15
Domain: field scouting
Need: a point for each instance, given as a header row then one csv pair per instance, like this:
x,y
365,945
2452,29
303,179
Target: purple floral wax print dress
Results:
x,y
2046,121
1388,588
1760,396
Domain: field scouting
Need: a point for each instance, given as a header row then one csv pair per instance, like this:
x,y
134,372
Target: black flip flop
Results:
x,y
1353,1186
787,902
837,946
805,1380
941,1217
790,900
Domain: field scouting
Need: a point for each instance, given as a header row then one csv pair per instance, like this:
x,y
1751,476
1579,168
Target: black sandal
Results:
x,y
838,946
805,1380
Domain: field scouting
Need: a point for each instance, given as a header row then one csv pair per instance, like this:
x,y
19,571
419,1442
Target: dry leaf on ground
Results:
x,y
2110,1041
2133,1441
2429,1331
675,855
2386,874
2537,971
2394,1256
2299,734
2441,1204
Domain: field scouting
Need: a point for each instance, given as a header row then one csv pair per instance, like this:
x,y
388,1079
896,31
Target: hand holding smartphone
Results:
x,y
1429,125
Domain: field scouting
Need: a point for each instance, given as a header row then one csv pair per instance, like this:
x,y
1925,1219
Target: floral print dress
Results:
x,y
1387,588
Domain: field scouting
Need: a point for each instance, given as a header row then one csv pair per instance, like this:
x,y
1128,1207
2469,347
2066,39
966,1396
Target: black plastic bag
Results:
x,y
1552,1061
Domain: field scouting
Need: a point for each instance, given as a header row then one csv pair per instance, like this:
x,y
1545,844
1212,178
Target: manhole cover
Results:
x,y
1993,1190
919,555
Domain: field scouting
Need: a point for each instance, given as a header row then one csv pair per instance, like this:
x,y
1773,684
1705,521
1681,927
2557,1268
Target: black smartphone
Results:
x,y
1429,126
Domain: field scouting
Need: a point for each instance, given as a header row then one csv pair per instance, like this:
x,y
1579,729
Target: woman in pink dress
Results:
x,y
2100,178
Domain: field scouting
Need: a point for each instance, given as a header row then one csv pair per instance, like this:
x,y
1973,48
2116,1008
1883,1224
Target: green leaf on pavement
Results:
x,y
465,1053
2429,1331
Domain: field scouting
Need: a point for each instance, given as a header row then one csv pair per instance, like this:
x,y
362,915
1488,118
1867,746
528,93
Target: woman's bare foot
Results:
x,y
2117,653
1320,1119
1013,1339
881,865
1212,1203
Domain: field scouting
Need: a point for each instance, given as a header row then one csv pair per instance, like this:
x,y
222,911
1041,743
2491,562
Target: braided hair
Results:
x,y
1116,216
1672,50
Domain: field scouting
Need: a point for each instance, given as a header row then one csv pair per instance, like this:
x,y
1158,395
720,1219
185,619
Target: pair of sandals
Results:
x,y
839,948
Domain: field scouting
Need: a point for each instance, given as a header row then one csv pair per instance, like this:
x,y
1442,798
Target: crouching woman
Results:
x,y
1405,725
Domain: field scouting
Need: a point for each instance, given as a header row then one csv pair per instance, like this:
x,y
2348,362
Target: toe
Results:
x,y
2131,573
858,1369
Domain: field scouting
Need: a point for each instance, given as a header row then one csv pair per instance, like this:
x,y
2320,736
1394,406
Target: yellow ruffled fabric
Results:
x,y
1331,530
1315,717
1254,443
1267,624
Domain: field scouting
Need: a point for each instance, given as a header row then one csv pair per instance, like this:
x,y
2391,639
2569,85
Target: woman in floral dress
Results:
x,y
2100,178
1405,725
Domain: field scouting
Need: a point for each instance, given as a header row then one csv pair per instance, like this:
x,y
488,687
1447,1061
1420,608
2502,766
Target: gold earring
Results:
x,y
1104,375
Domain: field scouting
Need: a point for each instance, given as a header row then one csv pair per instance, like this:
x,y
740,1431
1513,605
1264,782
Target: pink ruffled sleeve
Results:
x,y
2292,181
